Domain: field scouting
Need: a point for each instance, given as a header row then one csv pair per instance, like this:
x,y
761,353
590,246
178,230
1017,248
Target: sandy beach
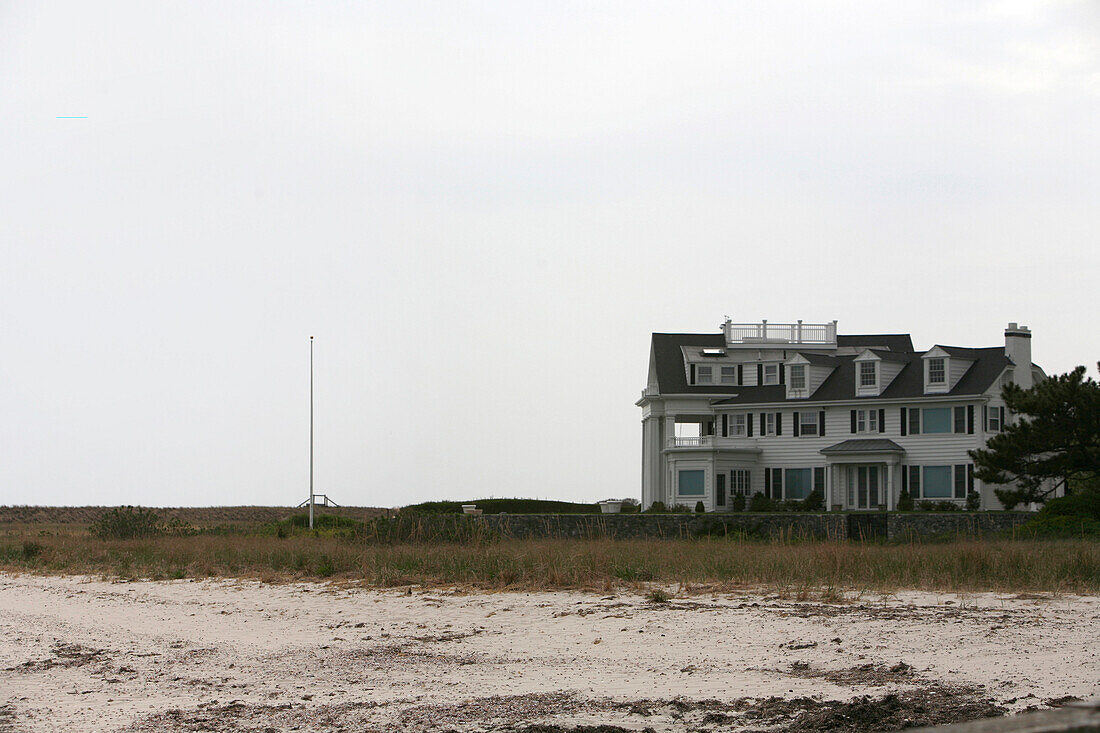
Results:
x,y
81,654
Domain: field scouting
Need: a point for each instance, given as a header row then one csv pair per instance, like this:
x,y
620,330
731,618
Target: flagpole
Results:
x,y
311,432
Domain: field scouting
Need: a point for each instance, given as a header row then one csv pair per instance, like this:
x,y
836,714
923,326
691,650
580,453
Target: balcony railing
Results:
x,y
699,442
812,334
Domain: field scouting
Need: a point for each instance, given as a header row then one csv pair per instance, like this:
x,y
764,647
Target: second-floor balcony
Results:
x,y
704,441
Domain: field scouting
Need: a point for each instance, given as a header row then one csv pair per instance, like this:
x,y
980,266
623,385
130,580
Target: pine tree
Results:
x,y
1054,440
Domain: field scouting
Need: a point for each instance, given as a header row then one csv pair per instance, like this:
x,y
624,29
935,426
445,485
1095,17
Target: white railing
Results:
x,y
700,442
780,333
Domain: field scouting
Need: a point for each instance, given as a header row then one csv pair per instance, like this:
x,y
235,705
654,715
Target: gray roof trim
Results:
x,y
864,445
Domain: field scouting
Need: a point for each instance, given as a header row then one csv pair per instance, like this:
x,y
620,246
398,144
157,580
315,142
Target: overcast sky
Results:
x,y
482,211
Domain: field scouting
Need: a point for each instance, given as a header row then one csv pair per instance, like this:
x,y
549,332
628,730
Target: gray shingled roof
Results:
x,y
840,384
864,445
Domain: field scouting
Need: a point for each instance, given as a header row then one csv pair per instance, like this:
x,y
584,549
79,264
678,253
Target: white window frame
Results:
x,y
699,374
803,423
774,377
942,369
798,376
740,482
769,423
867,421
993,417
863,374
727,378
738,431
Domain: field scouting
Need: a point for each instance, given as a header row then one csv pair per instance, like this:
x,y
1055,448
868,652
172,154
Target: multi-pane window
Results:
x,y
704,374
769,423
807,423
771,374
729,375
738,424
937,374
995,419
798,376
867,374
867,421
739,481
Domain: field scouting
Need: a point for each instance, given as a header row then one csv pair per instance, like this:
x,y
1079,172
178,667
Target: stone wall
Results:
x,y
832,525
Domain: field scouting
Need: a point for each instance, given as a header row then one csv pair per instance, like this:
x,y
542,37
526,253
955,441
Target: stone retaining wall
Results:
x,y
832,525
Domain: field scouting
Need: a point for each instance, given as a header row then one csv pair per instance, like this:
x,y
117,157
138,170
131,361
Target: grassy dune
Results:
x,y
990,565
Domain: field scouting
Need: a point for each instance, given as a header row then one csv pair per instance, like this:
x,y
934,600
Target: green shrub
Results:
x,y
939,506
322,521
905,501
973,501
738,503
31,550
1076,515
657,507
679,509
815,502
761,503
699,508
126,522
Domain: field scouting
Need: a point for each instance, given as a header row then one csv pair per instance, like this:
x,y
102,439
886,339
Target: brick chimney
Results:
x,y
1018,348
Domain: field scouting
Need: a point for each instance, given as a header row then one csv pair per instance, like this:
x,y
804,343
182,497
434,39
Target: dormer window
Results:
x,y
868,375
729,375
704,374
771,374
798,376
937,372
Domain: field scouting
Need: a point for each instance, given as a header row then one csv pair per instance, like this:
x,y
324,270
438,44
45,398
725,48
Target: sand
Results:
x,y
80,654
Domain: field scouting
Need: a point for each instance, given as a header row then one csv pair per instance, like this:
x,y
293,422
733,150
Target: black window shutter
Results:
x,y
740,374
725,425
914,481
985,418
821,423
970,477
904,421
760,374
691,368
882,421
970,419
782,375
1002,409
779,423
960,481
748,423
763,432
768,482
710,427
853,422
777,483
819,479
796,427
905,478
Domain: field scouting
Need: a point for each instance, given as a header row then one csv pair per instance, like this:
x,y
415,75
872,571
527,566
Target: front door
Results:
x,y
863,487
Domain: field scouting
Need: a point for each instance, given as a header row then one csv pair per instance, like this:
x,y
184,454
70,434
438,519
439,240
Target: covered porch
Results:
x,y
864,474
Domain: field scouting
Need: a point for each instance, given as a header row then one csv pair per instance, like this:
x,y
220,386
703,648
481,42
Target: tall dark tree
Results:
x,y
1054,441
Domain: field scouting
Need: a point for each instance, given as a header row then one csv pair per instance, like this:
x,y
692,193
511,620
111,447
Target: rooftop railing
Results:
x,y
811,334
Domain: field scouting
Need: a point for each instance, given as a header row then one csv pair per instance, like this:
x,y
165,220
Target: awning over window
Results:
x,y
863,445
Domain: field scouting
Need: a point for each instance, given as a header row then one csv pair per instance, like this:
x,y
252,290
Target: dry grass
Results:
x,y
84,515
824,566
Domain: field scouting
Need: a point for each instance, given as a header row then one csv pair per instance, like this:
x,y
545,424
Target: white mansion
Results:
x,y
784,409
